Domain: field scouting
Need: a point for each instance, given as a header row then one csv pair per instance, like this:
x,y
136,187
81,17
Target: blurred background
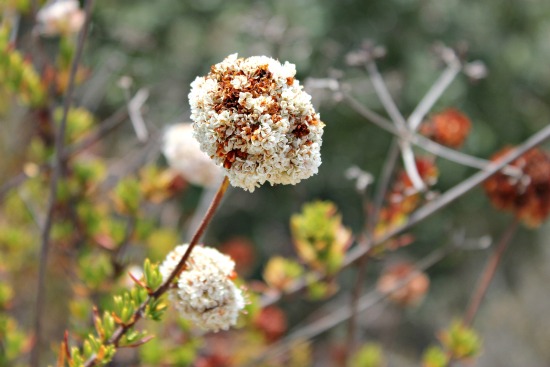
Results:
x,y
163,45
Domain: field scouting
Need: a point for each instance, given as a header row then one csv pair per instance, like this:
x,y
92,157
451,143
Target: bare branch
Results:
x,y
134,110
406,150
428,209
57,174
488,273
423,142
435,92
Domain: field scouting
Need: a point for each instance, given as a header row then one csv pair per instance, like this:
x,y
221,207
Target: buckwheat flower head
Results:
x,y
527,195
184,155
205,293
252,117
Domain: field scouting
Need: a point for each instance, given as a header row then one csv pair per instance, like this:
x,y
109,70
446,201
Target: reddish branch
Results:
x,y
139,313
488,274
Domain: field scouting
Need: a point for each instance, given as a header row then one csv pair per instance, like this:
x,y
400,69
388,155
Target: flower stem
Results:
x,y
138,314
196,237
488,273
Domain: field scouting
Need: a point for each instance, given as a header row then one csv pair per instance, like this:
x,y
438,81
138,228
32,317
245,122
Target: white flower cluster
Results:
x,y
253,118
205,293
184,155
59,17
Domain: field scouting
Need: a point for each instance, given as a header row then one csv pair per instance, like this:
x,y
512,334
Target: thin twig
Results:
x,y
421,141
136,117
14,31
32,210
196,237
357,288
434,93
427,209
57,174
391,108
385,97
383,185
372,219
354,308
104,129
163,288
488,273
193,223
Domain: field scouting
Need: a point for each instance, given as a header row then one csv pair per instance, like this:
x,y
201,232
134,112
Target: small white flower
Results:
x,y
60,16
205,293
253,118
184,155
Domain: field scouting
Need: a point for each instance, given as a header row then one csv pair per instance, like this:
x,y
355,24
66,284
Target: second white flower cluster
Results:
x,y
205,293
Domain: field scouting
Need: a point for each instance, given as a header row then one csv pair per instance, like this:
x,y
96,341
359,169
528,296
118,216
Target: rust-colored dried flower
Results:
x,y
427,171
241,250
450,127
410,293
403,197
272,322
526,195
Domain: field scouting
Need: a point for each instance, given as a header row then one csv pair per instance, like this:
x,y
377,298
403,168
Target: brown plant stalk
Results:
x,y
373,213
57,174
412,124
488,273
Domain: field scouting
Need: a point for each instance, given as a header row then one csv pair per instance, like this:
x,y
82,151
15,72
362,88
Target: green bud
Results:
x,y
461,341
435,357
127,196
319,236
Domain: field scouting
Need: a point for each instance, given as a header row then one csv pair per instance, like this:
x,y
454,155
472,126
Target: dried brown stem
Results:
x,y
398,120
196,237
412,123
372,219
165,286
488,273
354,308
420,141
57,174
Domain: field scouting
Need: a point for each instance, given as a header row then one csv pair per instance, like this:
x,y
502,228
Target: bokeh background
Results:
x,y
163,45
